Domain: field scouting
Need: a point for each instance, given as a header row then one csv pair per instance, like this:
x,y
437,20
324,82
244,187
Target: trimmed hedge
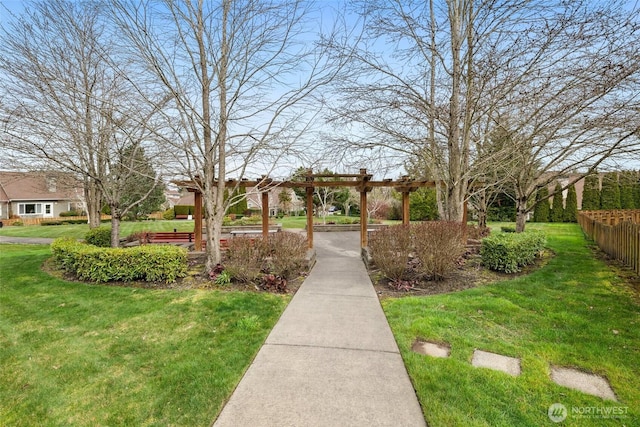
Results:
x,y
151,263
100,236
63,222
509,252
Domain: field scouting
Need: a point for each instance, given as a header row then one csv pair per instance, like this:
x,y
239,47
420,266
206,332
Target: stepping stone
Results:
x,y
498,362
431,349
582,381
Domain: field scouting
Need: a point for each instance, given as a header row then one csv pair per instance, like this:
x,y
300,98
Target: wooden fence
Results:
x,y
38,221
617,233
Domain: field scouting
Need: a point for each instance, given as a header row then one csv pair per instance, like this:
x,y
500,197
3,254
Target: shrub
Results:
x,y
70,213
148,263
557,207
281,254
571,205
183,210
243,260
287,254
52,222
438,246
273,283
390,248
18,223
169,214
100,236
542,210
64,250
74,221
508,252
476,232
508,229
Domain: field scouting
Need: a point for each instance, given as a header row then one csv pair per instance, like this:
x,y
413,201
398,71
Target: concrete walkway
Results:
x,y
331,359
26,240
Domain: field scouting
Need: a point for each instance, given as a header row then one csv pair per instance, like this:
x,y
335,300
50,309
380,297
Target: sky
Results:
x,y
17,7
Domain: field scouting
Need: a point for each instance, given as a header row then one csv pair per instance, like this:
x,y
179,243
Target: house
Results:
x,y
38,194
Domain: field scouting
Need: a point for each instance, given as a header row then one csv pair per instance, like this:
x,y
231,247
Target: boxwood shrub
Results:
x,y
151,263
100,236
509,252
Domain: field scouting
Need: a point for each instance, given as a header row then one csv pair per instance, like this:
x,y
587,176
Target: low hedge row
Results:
x,y
151,263
509,252
63,222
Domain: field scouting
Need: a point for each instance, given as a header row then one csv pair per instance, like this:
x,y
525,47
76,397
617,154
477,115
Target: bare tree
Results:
x,y
68,103
561,75
238,73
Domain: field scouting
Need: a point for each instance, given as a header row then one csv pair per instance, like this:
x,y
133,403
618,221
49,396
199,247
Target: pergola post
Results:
x,y
310,217
364,236
364,241
265,213
197,211
405,208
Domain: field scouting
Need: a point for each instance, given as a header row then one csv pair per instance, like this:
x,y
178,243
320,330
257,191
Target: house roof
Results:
x,y
32,186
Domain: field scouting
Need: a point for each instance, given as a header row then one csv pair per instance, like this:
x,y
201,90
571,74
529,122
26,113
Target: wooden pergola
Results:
x,y
362,182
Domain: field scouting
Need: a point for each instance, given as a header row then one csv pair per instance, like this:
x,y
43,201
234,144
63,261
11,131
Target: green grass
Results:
x,y
563,314
87,355
78,231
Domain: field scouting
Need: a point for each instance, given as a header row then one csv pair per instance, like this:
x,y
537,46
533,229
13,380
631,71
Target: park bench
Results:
x,y
170,237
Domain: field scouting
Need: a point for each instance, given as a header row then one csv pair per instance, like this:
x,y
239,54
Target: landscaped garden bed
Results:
x,y
431,258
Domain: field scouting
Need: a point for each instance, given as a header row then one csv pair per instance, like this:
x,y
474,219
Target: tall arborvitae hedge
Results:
x,y
541,210
239,198
571,205
628,180
557,208
610,192
591,193
636,190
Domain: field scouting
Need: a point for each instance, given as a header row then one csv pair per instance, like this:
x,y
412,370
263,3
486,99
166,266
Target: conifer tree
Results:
x,y
541,210
557,210
571,205
627,181
591,193
610,192
636,190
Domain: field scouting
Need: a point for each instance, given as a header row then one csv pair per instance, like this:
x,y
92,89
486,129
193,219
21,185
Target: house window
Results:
x,y
30,208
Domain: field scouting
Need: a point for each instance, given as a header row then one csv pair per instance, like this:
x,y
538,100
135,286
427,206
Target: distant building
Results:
x,y
39,194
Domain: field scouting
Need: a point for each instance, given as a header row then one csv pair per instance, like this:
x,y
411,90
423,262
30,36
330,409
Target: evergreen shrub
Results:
x,y
509,252
151,263
100,236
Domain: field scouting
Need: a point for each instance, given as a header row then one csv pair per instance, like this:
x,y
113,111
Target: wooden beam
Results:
x,y
310,217
405,208
363,220
265,214
197,196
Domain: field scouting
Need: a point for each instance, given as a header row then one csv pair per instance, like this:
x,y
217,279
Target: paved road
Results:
x,y
331,360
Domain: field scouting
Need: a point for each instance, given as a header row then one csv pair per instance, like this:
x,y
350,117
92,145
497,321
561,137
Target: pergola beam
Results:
x,y
361,182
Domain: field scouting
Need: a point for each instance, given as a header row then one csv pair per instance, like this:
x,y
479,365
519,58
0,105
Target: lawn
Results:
x,y
78,231
573,312
87,355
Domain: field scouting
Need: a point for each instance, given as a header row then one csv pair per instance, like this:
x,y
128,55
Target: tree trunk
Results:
x,y
93,200
115,226
521,213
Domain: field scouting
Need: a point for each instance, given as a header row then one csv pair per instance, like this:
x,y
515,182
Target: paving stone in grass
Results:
x,y
431,349
498,362
582,381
